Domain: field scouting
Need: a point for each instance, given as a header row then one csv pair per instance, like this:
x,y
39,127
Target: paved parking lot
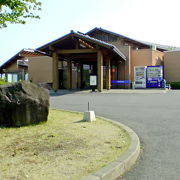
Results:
x,y
155,117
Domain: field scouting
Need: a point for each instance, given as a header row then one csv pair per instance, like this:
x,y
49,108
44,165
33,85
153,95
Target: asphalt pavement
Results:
x,y
155,117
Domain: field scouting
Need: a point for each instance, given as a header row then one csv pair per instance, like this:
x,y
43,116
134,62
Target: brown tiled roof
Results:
x,y
20,54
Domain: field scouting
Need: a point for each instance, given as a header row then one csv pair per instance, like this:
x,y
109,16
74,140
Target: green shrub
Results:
x,y
175,85
2,81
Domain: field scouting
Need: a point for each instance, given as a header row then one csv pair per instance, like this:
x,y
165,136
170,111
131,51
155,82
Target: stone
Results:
x,y
23,103
89,116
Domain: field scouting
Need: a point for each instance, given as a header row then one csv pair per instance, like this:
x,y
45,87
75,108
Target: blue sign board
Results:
x,y
120,81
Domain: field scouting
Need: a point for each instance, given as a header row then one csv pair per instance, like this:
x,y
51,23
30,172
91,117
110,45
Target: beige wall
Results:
x,y
145,57
157,58
40,69
172,66
12,67
142,57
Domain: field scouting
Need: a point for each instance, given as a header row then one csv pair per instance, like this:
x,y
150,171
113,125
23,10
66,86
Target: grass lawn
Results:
x,y
63,148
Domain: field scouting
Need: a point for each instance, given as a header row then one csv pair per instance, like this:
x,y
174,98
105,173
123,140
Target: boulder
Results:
x,y
23,103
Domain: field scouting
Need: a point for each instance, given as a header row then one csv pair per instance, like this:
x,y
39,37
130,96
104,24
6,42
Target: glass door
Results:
x,y
86,76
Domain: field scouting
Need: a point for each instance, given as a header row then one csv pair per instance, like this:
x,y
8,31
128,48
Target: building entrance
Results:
x,y
87,70
80,74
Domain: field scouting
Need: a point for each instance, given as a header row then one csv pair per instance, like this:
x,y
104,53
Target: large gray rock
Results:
x,y
23,103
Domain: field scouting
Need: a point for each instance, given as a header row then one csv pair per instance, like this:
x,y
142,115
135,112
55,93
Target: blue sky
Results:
x,y
149,20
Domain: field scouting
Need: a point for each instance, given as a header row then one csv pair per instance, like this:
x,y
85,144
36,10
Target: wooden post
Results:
x,y
100,70
79,69
55,71
108,73
69,74
128,69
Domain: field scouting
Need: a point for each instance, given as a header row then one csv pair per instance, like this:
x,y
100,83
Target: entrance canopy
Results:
x,y
77,40
80,49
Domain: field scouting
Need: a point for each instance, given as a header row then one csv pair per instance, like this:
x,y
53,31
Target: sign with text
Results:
x,y
93,80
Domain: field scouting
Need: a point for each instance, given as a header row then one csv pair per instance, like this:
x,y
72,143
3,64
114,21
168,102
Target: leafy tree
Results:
x,y
17,11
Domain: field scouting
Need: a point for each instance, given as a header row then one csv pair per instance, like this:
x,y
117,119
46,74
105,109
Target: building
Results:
x,y
17,68
69,61
172,66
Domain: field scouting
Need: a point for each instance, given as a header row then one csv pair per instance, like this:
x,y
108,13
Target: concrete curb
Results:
x,y
114,91
135,91
123,163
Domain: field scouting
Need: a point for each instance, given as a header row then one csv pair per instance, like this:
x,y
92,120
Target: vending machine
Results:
x,y
140,76
154,77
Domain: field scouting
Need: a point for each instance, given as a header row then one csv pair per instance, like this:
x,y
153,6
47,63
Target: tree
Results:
x,y
17,11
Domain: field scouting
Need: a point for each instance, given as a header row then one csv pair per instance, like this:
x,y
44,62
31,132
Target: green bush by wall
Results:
x,y
2,81
175,85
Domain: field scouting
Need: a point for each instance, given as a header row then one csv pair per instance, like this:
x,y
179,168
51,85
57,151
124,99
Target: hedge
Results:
x,y
175,85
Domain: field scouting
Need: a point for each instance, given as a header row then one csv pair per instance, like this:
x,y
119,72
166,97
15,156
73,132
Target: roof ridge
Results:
x,y
105,43
160,46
